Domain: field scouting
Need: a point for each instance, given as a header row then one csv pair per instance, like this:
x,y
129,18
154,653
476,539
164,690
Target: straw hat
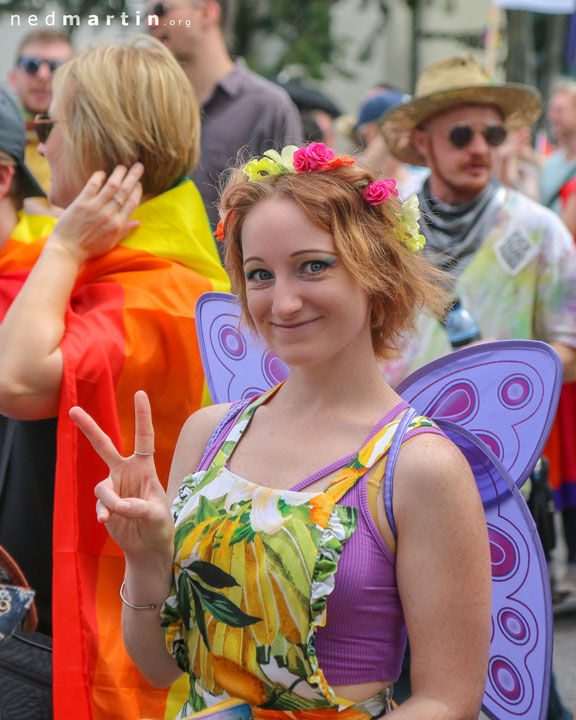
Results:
x,y
448,84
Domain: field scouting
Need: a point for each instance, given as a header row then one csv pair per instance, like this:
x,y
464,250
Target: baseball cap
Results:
x,y
13,142
379,104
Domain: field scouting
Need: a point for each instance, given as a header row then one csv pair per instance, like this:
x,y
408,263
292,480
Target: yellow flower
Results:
x,y
410,235
259,167
415,242
411,211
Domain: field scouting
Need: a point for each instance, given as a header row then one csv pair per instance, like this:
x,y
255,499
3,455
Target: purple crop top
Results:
x,y
365,633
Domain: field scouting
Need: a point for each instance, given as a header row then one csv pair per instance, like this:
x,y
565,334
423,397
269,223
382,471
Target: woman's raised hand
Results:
x,y
131,501
99,218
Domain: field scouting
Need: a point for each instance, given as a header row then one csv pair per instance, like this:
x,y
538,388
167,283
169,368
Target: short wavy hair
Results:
x,y
119,104
399,283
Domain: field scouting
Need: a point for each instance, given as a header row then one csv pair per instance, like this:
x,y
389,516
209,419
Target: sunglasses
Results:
x,y
43,125
161,8
31,65
462,135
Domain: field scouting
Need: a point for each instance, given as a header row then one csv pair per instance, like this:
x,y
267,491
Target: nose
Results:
x,y
478,144
44,72
287,300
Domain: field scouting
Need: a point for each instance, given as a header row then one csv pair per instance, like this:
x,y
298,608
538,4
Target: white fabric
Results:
x,y
543,6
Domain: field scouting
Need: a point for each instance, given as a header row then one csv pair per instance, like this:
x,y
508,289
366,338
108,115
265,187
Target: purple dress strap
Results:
x,y
391,464
221,432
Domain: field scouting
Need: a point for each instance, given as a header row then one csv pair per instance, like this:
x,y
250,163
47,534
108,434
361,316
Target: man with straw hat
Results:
x,y
513,261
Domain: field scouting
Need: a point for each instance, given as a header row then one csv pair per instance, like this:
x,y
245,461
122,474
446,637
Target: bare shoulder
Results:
x,y
193,438
432,473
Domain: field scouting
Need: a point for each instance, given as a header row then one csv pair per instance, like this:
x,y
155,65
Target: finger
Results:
x,y
122,183
93,186
97,437
102,512
144,436
131,202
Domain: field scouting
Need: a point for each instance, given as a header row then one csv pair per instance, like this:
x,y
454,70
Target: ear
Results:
x,y
211,12
420,141
6,177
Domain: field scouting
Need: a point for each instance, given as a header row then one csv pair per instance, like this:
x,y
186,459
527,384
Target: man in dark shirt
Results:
x,y
241,111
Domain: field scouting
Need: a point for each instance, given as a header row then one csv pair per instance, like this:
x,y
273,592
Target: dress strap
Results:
x,y
221,432
403,428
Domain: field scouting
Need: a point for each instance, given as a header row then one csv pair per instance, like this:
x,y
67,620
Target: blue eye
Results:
x,y
315,267
258,275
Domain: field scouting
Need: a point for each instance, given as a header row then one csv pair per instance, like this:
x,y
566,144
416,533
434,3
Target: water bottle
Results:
x,y
461,326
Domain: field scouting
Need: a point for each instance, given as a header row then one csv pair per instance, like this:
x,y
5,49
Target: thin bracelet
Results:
x,y
129,604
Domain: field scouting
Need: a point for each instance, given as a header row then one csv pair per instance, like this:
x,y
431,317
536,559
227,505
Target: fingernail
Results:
x,y
138,166
123,505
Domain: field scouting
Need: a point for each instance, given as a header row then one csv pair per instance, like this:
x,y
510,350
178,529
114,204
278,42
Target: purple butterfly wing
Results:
x,y
505,393
497,401
237,364
521,644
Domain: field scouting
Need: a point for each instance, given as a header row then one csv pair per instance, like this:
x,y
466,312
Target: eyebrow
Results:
x,y
294,254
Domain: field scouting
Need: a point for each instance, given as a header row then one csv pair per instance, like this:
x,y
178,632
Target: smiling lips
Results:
x,y
293,326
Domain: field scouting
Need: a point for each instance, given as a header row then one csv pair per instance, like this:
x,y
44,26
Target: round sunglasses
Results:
x,y
43,125
461,135
31,65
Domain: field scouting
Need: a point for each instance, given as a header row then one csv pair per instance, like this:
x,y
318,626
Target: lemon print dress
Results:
x,y
253,567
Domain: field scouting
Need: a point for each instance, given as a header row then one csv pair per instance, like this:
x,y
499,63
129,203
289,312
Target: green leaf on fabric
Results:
x,y
184,600
211,574
224,609
243,533
199,613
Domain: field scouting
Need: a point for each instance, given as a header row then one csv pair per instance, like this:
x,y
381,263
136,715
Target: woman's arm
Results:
x,y
31,362
136,511
444,579
148,579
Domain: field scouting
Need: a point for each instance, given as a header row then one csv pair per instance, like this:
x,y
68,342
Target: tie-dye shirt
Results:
x,y
521,284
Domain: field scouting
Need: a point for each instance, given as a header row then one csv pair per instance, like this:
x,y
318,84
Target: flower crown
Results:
x,y
318,157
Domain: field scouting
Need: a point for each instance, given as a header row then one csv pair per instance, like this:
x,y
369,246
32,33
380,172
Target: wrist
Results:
x,y
67,251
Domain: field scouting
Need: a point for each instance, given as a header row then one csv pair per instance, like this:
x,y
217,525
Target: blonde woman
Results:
x,y
102,307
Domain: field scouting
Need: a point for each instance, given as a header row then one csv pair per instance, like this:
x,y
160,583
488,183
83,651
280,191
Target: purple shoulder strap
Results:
x,y
221,432
391,464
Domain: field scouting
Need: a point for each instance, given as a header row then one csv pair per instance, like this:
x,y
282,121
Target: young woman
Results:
x,y
287,573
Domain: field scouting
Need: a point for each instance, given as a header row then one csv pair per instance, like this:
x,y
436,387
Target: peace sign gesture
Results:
x,y
131,500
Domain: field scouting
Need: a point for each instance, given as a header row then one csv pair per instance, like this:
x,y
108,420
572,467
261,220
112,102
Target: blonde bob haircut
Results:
x,y
399,283
118,104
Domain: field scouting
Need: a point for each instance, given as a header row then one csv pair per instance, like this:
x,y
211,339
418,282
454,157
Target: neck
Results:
x,y
452,195
8,220
208,66
570,146
352,379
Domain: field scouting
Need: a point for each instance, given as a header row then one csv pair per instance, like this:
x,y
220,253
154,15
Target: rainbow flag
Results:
x,y
129,325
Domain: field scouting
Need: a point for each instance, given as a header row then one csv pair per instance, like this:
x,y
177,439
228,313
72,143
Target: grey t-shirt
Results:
x,y
245,113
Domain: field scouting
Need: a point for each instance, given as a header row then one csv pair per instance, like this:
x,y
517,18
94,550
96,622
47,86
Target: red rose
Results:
x,y
315,156
379,191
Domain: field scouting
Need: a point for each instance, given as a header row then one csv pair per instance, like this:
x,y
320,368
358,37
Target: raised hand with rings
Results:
x,y
131,500
99,218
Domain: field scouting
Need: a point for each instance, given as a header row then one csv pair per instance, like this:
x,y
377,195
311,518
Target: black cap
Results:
x,y
13,142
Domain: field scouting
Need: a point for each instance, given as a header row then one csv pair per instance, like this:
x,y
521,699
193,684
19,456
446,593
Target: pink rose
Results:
x,y
379,191
315,156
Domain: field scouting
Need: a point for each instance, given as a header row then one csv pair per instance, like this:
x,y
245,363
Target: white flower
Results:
x,y
283,677
285,159
265,515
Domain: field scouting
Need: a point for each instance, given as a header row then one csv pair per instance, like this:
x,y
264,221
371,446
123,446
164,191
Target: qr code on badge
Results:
x,y
515,251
